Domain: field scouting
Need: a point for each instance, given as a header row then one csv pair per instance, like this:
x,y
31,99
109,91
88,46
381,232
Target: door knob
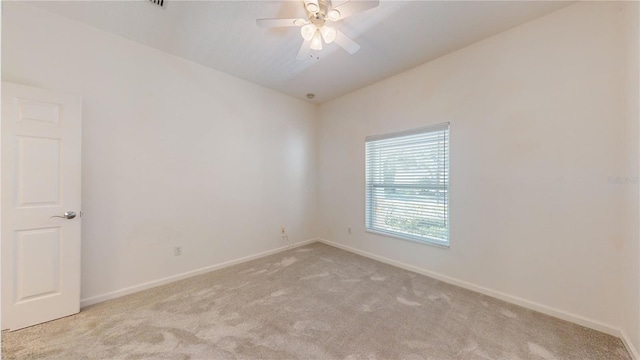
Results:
x,y
67,215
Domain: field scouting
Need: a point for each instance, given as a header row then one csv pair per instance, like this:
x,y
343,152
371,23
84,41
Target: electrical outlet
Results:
x,y
282,230
177,251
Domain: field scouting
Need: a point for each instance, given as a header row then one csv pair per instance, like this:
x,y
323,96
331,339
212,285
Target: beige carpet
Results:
x,y
315,302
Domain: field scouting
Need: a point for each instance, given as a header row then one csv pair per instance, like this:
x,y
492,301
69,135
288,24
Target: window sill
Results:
x,y
406,238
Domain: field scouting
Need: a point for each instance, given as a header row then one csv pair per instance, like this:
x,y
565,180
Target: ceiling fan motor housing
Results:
x,y
318,20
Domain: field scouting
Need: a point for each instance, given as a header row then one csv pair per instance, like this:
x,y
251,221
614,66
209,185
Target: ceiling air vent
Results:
x,y
158,2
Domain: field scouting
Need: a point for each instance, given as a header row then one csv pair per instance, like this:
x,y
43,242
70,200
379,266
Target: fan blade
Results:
x,y
346,43
354,6
269,23
305,50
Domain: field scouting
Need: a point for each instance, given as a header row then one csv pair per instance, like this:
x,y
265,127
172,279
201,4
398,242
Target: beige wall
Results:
x,y
173,153
537,130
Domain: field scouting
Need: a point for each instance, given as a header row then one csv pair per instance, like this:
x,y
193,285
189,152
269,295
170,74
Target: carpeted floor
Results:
x,y
314,302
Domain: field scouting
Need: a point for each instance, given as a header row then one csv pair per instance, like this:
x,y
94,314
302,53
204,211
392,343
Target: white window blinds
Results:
x,y
407,184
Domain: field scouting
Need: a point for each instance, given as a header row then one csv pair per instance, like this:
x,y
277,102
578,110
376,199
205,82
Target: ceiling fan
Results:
x,y
317,27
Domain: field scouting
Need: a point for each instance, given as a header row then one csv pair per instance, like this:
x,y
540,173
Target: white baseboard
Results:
x,y
629,345
561,314
169,279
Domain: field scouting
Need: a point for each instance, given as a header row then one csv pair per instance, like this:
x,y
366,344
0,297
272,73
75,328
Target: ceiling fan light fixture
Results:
x,y
313,7
308,31
313,29
328,34
316,41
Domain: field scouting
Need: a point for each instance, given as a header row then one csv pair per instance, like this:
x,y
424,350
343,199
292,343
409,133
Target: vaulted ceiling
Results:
x,y
394,37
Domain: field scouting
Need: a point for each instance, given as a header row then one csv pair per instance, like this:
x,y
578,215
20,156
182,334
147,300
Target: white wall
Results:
x,y
0,188
173,153
537,129
178,154
631,253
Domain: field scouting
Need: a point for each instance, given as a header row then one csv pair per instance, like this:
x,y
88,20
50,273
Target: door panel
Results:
x,y
38,164
40,182
37,263
38,111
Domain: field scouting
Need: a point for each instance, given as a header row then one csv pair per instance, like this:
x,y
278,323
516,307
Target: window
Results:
x,y
407,184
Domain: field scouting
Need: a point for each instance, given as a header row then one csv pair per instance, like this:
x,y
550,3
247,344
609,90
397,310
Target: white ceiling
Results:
x,y
222,35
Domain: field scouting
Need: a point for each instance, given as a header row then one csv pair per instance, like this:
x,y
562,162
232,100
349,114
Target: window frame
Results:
x,y
368,216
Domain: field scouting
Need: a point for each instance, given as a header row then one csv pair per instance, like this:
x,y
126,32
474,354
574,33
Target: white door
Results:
x,y
40,183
